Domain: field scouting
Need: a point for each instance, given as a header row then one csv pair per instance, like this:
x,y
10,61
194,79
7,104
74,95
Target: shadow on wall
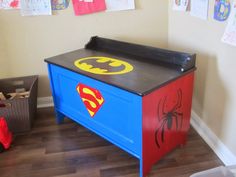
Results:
x,y
210,96
200,82
44,91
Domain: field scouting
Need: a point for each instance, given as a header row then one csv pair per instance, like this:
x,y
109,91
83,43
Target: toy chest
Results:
x,y
19,112
137,97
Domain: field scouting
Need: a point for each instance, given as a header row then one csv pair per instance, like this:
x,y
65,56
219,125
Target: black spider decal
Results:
x,y
168,117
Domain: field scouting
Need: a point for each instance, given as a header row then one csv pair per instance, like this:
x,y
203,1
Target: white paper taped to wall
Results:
x,y
199,8
180,5
229,36
35,7
118,5
9,4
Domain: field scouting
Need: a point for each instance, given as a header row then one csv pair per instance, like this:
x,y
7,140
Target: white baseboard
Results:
x,y
221,150
44,102
227,157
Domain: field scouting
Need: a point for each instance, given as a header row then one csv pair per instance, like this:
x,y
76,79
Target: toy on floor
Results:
x,y
5,135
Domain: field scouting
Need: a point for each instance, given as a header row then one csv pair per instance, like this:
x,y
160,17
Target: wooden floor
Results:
x,y
69,150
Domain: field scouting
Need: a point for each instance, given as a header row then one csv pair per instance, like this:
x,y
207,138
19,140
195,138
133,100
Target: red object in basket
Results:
x,y
5,134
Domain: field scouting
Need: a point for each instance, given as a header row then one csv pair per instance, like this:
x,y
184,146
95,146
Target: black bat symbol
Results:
x,y
108,66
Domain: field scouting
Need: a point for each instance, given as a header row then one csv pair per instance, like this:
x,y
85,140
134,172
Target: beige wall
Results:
x,y
4,70
215,87
31,39
28,40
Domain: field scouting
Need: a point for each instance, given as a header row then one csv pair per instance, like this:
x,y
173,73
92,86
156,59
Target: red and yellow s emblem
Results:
x,y
91,98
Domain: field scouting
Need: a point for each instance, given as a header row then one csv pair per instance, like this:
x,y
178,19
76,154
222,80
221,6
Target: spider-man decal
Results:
x,y
167,117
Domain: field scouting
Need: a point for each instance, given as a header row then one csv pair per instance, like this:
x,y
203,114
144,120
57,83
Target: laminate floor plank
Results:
x,y
70,150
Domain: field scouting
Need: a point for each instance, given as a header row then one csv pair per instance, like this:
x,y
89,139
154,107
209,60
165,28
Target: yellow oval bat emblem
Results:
x,y
103,65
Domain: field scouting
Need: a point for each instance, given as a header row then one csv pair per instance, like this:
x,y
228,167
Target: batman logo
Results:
x,y
91,98
103,65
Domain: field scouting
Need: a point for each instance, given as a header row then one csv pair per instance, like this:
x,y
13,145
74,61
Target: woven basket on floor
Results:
x,y
19,112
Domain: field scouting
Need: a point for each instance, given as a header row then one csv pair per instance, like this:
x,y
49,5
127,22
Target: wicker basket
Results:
x,y
19,112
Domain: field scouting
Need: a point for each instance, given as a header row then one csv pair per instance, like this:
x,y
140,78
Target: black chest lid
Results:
x,y
136,68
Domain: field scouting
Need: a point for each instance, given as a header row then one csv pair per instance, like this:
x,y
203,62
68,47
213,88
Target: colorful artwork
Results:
x,y
9,4
229,36
82,7
222,10
91,98
180,5
177,2
169,116
60,4
35,7
103,65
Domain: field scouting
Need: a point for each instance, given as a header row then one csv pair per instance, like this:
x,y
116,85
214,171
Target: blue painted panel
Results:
x,y
119,119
